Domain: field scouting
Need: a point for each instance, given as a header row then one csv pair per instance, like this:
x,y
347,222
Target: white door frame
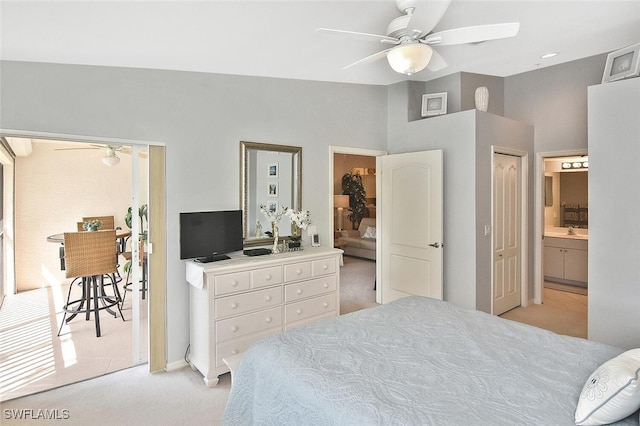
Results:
x,y
524,218
355,151
538,232
153,356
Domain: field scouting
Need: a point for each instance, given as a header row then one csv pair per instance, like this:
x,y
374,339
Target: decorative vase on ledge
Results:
x,y
274,229
482,98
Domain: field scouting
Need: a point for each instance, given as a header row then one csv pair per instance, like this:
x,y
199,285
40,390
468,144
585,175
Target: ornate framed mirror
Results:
x,y
271,176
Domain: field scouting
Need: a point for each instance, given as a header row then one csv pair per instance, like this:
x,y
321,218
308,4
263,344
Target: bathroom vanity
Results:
x,y
566,258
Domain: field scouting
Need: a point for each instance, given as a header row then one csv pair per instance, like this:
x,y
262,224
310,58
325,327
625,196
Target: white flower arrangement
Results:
x,y
273,216
301,218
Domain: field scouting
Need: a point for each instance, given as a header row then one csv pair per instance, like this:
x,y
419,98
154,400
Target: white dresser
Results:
x,y
238,301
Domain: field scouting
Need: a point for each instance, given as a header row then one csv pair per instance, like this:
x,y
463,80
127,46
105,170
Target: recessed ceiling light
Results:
x,y
548,55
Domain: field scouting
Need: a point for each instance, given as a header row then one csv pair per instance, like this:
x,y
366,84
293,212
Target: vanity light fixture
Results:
x,y
575,165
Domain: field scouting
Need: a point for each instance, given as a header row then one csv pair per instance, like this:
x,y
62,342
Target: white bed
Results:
x,y
415,361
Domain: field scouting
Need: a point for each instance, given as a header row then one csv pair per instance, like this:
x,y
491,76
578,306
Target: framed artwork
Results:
x,y
622,63
272,189
272,170
434,104
272,206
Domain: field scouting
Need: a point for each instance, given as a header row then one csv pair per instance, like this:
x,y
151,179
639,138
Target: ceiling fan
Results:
x,y
411,37
111,158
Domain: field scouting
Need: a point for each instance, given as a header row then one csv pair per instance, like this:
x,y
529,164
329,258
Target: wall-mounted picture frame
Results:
x,y
272,206
272,189
623,63
434,104
272,170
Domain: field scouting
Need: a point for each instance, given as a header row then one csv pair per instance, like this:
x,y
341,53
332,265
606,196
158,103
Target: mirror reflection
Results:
x,y
271,177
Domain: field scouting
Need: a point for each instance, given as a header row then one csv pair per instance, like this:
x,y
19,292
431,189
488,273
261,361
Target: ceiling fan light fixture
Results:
x,y
409,58
111,159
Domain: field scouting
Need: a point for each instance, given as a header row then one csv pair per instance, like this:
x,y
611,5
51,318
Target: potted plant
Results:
x,y
353,187
92,225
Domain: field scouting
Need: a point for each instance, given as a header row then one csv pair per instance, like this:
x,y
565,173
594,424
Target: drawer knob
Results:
x,y
234,305
299,291
299,311
268,297
234,283
234,328
268,319
325,304
268,277
298,271
325,267
325,285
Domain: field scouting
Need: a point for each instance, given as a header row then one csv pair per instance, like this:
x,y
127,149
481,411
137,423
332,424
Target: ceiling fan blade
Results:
x,y
437,62
357,35
370,58
127,150
72,149
426,16
472,34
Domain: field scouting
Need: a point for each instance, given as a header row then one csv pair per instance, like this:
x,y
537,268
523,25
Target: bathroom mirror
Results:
x,y
548,191
271,176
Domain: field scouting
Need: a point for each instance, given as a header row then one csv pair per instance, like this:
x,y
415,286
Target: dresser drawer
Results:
x,y
305,289
297,271
323,267
230,283
247,302
309,308
248,324
266,276
236,346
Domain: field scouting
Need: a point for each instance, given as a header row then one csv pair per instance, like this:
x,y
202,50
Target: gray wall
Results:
x,y
614,194
554,100
201,118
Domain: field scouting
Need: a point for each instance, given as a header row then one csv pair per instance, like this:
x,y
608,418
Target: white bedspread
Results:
x,y
416,361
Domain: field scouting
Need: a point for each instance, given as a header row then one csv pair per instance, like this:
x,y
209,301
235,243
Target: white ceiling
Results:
x,y
278,38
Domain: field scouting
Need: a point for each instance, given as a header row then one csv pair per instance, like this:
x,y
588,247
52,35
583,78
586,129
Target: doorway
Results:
x,y
63,351
345,160
550,220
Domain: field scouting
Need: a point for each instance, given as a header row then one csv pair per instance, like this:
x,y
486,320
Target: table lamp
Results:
x,y
340,202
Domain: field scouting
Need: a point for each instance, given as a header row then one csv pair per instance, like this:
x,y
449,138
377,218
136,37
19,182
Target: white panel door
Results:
x,y
410,225
507,218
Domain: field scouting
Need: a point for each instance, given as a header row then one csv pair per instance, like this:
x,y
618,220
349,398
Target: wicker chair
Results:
x,y
90,255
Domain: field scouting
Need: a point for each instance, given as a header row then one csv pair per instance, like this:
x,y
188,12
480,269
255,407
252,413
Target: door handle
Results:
x,y
436,245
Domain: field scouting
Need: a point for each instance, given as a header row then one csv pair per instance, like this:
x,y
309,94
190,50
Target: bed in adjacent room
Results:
x,y
419,361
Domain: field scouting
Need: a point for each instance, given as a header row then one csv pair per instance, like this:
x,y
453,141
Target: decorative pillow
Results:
x,y
370,232
612,392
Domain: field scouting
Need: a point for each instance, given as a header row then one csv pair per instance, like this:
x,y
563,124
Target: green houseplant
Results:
x,y
353,187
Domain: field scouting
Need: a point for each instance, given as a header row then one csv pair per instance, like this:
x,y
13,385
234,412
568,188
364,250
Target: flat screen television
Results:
x,y
210,234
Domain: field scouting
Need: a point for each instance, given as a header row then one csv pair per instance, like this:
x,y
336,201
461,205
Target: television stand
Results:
x,y
212,258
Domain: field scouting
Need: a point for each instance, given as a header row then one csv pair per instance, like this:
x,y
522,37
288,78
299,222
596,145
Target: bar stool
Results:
x,y
91,256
